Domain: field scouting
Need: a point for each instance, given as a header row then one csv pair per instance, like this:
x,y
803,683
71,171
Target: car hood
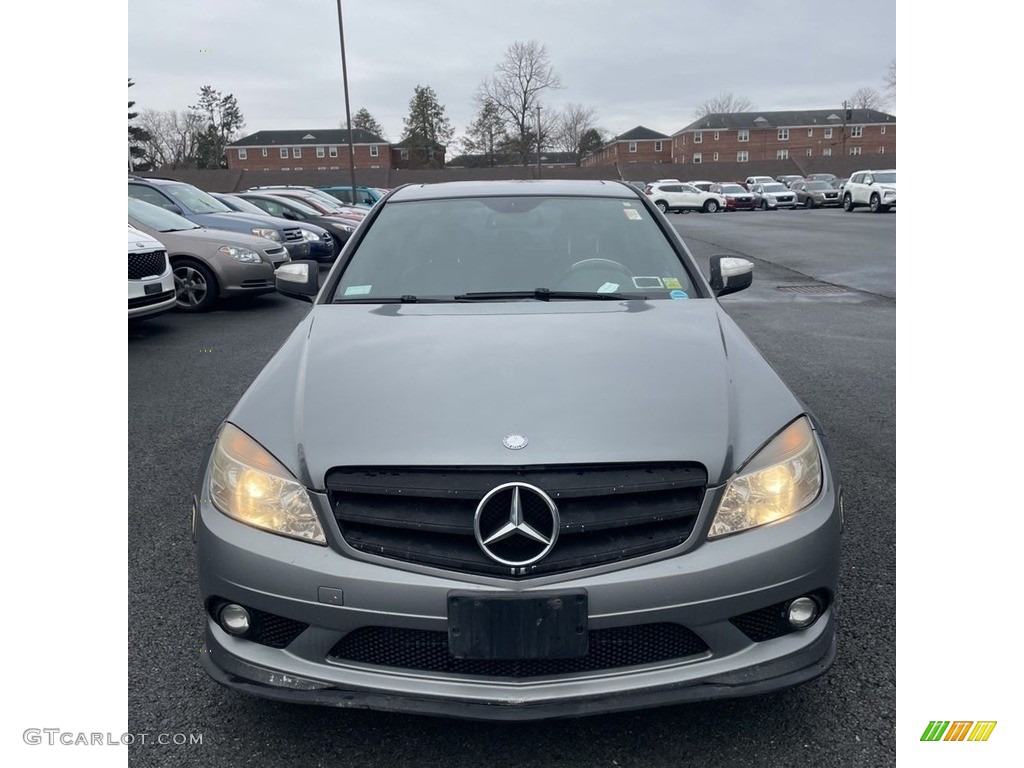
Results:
x,y
887,186
209,240
237,220
139,240
441,385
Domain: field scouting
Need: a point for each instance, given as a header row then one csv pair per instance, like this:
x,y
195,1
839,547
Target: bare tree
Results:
x,y
515,88
574,122
723,103
890,81
173,138
867,98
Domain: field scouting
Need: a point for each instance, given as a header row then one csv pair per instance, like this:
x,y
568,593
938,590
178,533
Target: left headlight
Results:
x,y
243,255
310,236
250,485
270,234
781,479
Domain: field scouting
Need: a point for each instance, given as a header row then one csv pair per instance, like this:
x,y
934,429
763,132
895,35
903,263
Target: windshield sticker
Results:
x,y
358,290
647,282
679,295
632,213
608,288
671,282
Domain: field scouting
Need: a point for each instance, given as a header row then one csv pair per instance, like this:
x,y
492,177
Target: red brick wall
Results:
x,y
255,161
764,144
619,153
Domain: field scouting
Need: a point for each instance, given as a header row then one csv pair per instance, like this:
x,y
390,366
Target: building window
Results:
x,y
783,134
284,153
334,167
743,135
632,146
319,151
296,152
405,154
742,156
881,150
715,157
883,129
697,137
333,152
810,133
854,150
826,152
243,154
264,151
697,158
857,131
716,135
782,154
286,169
657,146
298,167
322,168
810,152
374,152
828,133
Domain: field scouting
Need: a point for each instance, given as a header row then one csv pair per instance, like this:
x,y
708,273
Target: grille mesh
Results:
x,y
149,264
428,651
771,621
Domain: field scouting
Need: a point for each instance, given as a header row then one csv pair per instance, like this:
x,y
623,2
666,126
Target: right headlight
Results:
x,y
250,485
310,236
270,234
781,479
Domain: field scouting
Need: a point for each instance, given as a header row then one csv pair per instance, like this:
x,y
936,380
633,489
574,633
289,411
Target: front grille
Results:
x,y
428,651
153,298
292,235
608,513
276,254
150,264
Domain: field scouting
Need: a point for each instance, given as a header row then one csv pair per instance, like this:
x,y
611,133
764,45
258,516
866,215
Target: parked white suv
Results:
x,y
676,196
150,280
875,189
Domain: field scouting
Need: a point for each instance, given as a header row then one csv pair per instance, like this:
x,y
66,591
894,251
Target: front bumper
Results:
x,y
336,590
297,249
154,302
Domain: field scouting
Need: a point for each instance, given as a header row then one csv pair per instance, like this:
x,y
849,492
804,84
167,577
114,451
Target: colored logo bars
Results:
x,y
958,730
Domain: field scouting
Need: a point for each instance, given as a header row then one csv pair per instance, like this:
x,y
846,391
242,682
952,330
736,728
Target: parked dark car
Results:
x,y
341,227
365,197
829,177
315,198
517,462
789,179
322,246
209,264
204,209
815,194
736,197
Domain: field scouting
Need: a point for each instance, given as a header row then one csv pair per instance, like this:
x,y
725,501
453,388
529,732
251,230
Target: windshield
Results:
x,y
195,200
241,204
812,185
773,187
157,218
448,248
731,189
885,178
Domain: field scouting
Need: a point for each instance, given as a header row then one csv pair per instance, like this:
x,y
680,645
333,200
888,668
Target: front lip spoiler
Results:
x,y
245,677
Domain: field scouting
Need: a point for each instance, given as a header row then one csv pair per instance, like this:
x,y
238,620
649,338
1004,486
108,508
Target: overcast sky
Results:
x,y
648,63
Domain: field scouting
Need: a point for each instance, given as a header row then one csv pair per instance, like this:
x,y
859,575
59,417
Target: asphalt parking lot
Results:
x,y
822,310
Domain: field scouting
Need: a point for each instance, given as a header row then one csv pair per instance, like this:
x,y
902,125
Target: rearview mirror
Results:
x,y
730,274
298,279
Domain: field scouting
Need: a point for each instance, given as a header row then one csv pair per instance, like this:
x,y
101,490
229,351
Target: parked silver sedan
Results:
x,y
771,197
209,264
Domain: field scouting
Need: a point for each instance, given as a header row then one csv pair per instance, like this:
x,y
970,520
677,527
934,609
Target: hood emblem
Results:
x,y
516,524
515,442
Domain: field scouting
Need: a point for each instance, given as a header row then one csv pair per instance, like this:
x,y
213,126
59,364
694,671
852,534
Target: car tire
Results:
x,y
764,205
195,286
876,204
809,203
662,206
711,206
847,203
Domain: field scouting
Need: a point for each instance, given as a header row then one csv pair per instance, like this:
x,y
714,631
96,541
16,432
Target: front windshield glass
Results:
x,y
447,248
298,205
155,217
732,189
885,178
773,187
244,206
816,185
195,200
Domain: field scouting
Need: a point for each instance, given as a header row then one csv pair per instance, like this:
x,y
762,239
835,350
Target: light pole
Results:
x,y
348,111
538,141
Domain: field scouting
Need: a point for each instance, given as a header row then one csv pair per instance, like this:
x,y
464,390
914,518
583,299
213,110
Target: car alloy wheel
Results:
x,y
194,286
662,206
847,203
808,203
764,205
875,204
711,206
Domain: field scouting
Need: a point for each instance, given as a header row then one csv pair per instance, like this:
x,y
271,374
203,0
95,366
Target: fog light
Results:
x,y
802,612
235,619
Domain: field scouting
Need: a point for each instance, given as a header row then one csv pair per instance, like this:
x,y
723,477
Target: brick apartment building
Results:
x,y
639,145
316,150
412,155
754,136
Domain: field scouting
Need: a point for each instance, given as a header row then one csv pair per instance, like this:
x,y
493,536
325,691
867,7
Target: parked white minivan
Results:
x,y
150,280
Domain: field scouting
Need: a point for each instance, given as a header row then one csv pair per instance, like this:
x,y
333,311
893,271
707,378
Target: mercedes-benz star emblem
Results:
x,y
514,442
516,524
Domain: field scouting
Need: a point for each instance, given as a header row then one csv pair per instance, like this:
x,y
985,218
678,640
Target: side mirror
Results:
x,y
730,274
172,208
299,280
290,214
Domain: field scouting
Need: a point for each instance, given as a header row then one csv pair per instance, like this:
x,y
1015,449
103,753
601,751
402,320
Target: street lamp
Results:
x,y
538,141
348,111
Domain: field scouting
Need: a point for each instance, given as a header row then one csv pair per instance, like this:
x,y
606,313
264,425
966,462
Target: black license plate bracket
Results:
x,y
538,626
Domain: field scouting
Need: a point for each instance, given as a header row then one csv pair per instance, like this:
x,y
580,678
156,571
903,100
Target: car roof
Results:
x,y
524,188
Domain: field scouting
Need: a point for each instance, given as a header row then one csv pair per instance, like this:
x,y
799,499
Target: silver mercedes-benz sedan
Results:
x,y
515,463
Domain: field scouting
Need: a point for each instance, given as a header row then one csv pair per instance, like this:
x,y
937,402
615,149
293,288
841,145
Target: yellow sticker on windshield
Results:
x,y
632,213
671,282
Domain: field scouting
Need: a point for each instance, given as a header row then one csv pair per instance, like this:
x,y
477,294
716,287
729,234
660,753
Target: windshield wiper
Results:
x,y
404,299
544,294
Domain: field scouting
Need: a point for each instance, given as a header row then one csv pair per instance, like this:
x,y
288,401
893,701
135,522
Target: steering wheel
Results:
x,y
588,264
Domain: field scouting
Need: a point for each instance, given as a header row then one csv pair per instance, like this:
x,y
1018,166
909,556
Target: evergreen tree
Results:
x,y
137,136
426,126
363,119
222,119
